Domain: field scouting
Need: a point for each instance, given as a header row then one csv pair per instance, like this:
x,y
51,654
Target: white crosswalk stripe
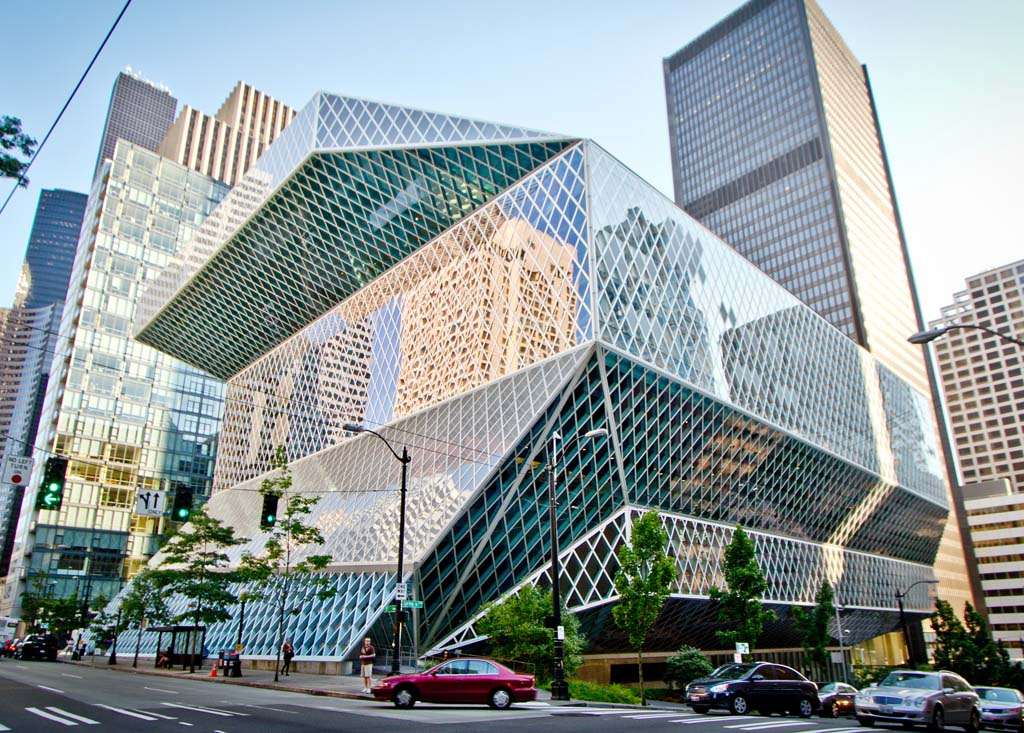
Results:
x,y
211,711
50,716
66,714
709,719
651,716
159,715
3,727
129,713
771,725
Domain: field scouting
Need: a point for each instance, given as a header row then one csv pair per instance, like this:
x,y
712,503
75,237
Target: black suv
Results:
x,y
39,646
742,688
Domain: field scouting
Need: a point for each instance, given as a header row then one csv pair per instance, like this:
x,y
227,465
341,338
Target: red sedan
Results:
x,y
463,680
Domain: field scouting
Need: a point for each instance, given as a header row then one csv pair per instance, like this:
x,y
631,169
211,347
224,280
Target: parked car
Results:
x,y
836,699
742,688
39,646
463,680
933,699
1001,708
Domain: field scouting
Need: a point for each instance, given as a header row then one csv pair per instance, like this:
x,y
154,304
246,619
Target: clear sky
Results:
x,y
946,76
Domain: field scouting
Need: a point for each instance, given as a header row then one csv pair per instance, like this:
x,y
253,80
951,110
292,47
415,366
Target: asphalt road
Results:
x,y
46,697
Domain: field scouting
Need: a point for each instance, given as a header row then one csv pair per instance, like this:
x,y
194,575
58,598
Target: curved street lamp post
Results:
x,y
399,612
911,657
559,687
924,337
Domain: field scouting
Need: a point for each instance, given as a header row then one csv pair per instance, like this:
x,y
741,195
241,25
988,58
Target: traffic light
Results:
x,y
268,517
51,493
182,508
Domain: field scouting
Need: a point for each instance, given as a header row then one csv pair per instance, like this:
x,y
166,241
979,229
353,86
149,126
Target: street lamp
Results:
x,y
399,613
559,687
839,632
923,337
903,619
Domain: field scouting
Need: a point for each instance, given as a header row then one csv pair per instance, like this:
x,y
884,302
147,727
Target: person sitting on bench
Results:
x,y
164,660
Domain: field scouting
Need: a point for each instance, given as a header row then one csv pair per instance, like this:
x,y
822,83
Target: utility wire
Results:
x,y
21,176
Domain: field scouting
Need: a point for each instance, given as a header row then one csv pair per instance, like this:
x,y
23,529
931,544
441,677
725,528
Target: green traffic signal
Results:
x,y
181,510
268,516
51,495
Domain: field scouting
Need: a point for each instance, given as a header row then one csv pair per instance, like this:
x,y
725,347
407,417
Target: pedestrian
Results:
x,y
287,651
367,656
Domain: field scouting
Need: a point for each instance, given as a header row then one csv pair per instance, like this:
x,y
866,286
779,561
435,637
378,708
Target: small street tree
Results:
x,y
686,665
969,650
195,566
144,602
812,625
42,612
517,632
12,138
740,604
644,580
279,576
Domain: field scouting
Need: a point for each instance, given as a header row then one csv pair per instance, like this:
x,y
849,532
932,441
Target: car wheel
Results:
x,y
866,722
702,709
500,699
805,708
938,720
829,711
404,697
739,705
974,724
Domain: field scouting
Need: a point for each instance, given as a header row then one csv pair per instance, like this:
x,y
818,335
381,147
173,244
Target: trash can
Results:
x,y
234,663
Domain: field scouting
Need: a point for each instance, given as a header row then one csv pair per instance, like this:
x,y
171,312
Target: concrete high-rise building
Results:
x,y
565,304
29,334
982,376
776,147
995,513
140,112
226,145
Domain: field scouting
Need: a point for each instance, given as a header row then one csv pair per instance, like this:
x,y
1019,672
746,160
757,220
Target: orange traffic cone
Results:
x,y
213,670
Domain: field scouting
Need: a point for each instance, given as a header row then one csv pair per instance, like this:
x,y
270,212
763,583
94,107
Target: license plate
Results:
x,y
885,709
695,697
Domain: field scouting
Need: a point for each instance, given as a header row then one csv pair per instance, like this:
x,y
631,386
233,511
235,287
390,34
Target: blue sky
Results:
x,y
946,76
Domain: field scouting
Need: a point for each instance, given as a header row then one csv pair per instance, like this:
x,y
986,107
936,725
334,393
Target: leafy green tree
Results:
x,y
991,662
41,612
812,625
106,625
686,665
951,639
517,632
279,573
645,577
740,606
12,138
195,566
144,601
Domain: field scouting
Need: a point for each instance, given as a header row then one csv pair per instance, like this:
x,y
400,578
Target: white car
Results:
x,y
908,697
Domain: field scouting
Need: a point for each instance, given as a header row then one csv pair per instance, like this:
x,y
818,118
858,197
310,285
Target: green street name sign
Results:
x,y
412,604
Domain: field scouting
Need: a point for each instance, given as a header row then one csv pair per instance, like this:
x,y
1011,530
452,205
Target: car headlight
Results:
x,y
863,695
917,702
719,688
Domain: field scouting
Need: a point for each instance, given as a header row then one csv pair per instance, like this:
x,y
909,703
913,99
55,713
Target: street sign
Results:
x,y
401,592
412,604
389,609
742,647
150,503
17,470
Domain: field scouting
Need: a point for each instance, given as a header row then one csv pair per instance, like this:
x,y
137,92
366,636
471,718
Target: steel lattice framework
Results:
x,y
468,290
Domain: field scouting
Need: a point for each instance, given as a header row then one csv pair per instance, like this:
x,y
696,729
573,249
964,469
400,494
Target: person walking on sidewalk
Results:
x,y
367,656
287,651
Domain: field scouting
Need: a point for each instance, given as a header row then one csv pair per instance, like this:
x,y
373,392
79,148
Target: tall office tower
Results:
x,y
226,145
140,112
776,148
28,337
981,376
129,418
492,299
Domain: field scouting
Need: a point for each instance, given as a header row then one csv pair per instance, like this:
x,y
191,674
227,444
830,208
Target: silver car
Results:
x,y
1001,708
933,699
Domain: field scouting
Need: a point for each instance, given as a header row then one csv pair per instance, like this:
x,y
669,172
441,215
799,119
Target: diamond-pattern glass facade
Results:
x,y
567,297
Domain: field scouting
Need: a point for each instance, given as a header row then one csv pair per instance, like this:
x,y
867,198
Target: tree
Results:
x,y
12,138
278,573
196,567
144,601
517,632
687,665
991,660
44,613
951,639
740,606
644,579
969,650
812,625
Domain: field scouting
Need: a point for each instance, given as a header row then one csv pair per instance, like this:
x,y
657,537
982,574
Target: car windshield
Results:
x,y
731,671
914,680
996,694
830,687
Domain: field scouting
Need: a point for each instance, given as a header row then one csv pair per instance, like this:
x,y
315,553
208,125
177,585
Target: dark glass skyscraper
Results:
x,y
51,248
776,148
140,112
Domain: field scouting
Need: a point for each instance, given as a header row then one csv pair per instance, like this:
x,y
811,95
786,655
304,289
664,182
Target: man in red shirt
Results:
x,y
367,656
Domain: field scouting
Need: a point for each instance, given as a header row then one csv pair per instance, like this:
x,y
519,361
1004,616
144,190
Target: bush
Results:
x,y
618,694
687,665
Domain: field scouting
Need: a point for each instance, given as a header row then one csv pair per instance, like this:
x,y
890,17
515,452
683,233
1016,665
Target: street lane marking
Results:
x,y
129,713
51,689
182,722
157,689
650,716
54,718
159,715
20,667
66,714
770,725
264,707
707,718
211,711
76,676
